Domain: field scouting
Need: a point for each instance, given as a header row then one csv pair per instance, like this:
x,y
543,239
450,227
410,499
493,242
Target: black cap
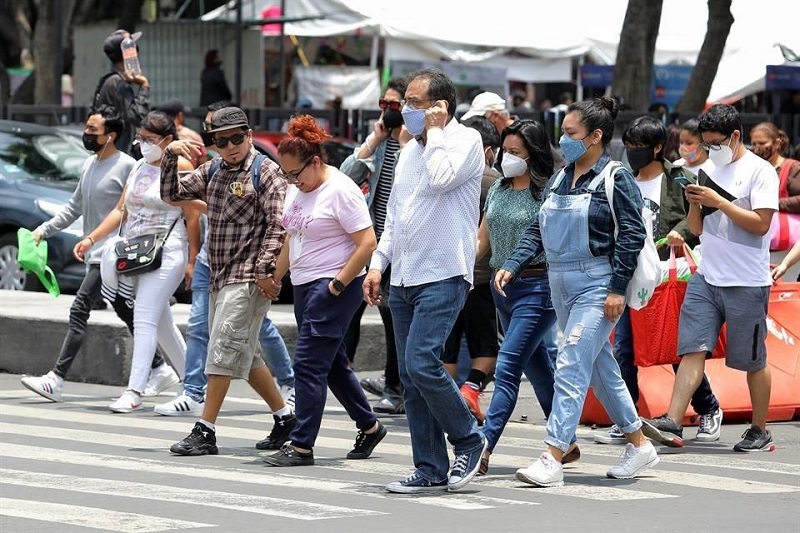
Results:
x,y
228,118
112,46
171,107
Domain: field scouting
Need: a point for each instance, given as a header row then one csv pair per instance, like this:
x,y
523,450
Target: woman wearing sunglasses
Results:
x,y
329,240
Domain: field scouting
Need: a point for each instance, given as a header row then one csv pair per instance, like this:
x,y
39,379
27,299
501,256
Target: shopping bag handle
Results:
x,y
673,265
691,260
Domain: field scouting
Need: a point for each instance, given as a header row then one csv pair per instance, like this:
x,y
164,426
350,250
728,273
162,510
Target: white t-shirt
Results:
x,y
651,194
732,256
319,224
707,166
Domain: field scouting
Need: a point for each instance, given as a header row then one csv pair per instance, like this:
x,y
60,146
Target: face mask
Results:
x,y
392,118
572,149
690,156
764,153
639,158
513,166
723,156
414,119
91,144
150,152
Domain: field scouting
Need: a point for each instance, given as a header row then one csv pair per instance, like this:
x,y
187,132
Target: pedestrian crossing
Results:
x,y
74,464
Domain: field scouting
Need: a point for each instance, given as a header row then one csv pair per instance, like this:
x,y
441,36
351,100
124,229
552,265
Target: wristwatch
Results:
x,y
338,285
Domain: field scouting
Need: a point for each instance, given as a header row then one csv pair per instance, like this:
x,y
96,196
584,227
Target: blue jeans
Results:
x,y
275,354
526,314
579,290
703,400
194,380
423,317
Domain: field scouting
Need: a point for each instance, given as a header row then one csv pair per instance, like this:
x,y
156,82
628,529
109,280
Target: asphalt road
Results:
x,y
75,467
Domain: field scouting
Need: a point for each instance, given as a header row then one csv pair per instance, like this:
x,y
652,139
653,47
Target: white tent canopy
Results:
x,y
481,31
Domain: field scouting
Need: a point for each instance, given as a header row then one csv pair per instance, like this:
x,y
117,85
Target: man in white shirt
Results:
x,y
731,212
429,239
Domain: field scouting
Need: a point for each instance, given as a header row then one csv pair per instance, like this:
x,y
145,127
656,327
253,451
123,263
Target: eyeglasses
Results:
x,y
394,105
713,147
293,177
416,104
151,140
222,142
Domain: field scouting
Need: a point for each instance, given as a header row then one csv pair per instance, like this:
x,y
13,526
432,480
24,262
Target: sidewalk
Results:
x,y
33,325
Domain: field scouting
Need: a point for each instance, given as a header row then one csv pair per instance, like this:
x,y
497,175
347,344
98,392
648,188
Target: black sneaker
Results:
x,y
366,442
663,430
201,441
414,484
755,440
280,432
289,456
465,466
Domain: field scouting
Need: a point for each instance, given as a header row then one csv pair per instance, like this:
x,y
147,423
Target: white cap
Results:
x,y
485,102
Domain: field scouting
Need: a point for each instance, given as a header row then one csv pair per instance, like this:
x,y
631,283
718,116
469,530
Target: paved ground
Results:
x,y
74,467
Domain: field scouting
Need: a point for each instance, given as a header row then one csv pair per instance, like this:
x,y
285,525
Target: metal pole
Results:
x,y
237,91
282,88
58,15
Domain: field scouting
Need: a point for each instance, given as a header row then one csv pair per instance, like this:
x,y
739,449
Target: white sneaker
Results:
x,y
161,378
634,461
709,427
129,402
544,472
181,405
612,436
47,386
287,393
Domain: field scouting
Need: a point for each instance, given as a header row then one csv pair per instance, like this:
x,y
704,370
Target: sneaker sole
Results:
x,y
126,410
521,476
604,439
368,453
667,439
464,481
194,452
710,438
641,470
40,392
415,490
177,413
269,461
768,448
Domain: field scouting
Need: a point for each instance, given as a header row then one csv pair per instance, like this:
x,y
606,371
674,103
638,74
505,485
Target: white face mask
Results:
x,y
723,156
150,152
513,166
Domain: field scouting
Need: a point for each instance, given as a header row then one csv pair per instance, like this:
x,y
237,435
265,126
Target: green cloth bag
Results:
x,y
32,257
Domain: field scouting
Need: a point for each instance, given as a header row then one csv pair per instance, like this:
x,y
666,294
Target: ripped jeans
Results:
x,y
579,290
235,315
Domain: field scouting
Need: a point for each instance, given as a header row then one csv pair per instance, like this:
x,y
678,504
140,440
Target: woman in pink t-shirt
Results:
x,y
328,243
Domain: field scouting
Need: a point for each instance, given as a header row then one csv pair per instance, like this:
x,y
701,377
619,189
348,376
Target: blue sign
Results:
x,y
597,75
783,77
668,86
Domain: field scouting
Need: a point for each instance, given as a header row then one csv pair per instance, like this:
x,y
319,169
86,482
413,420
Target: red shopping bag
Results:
x,y
655,327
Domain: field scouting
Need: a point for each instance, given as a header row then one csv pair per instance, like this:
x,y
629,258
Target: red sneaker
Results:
x,y
471,396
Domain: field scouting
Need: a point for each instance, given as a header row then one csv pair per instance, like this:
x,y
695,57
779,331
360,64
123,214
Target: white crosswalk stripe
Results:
x,y
125,458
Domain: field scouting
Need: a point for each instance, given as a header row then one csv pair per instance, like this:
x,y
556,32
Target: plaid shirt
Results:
x,y
244,238
624,253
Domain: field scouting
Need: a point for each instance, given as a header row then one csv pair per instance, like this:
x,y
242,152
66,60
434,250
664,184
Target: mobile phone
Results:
x,y
683,181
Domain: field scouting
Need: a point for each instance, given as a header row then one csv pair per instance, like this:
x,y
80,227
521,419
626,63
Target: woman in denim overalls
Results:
x,y
589,270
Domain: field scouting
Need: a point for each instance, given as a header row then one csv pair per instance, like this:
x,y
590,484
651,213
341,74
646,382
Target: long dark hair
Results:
x,y
540,162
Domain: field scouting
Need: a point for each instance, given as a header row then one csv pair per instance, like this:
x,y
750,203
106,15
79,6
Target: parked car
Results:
x,y
39,170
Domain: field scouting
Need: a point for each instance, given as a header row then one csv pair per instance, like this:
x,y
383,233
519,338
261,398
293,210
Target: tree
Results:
x,y
633,71
720,20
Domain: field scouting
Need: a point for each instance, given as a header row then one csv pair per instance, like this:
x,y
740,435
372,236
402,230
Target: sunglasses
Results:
x,y
222,142
394,105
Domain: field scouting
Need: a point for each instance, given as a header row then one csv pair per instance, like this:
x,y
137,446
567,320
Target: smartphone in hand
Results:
x,y
684,181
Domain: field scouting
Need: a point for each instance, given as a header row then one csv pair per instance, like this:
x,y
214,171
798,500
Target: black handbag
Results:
x,y
141,254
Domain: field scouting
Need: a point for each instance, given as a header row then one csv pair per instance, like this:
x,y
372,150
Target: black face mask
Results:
x,y
392,118
90,142
208,139
639,158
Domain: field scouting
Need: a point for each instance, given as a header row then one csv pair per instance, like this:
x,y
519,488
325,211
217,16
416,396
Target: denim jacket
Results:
x,y
361,170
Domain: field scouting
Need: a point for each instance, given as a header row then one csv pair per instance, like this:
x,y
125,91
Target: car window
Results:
x,y
38,155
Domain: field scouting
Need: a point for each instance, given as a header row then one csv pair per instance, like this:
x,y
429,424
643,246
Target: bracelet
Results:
x,y
90,240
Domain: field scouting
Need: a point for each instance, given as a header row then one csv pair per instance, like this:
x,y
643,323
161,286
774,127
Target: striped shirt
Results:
x,y
384,187
244,228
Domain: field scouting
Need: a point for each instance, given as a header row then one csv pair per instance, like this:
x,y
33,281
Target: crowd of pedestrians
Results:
x,y
471,229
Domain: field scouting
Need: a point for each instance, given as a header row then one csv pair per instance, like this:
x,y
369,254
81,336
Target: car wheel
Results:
x,y
12,277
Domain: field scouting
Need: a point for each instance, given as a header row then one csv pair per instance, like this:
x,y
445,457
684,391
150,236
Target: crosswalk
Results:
x,y
74,465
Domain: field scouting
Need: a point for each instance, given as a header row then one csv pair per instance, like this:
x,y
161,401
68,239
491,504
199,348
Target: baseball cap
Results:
x,y
171,107
112,44
484,102
228,118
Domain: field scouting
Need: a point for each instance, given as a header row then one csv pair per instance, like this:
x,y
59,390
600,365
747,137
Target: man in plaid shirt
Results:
x,y
245,237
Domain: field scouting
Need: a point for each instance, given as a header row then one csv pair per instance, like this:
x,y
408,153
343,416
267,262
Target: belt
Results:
x,y
533,272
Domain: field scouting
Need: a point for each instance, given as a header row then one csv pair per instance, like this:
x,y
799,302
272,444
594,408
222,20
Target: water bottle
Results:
x,y
130,57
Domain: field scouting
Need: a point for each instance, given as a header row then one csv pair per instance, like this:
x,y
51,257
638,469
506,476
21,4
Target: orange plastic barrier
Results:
x,y
730,386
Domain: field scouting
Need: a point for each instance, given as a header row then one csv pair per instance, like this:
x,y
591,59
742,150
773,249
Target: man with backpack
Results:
x,y
245,238
129,94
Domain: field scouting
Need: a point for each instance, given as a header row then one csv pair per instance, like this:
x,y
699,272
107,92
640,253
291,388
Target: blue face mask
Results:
x,y
572,149
414,119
